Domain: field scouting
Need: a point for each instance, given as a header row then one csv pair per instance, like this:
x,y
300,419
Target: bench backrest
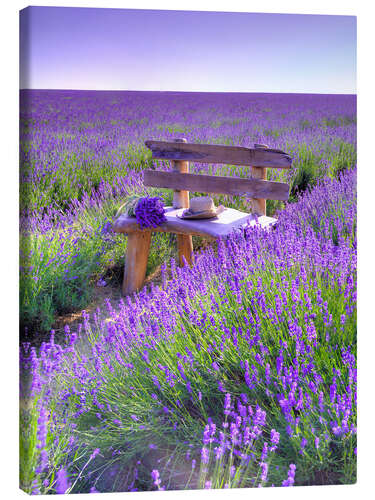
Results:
x,y
259,158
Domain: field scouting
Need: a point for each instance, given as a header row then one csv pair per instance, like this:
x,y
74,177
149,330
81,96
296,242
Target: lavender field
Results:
x,y
237,372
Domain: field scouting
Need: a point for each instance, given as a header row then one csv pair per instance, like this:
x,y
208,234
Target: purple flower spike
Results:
x,y
62,483
205,455
156,477
291,473
264,467
94,453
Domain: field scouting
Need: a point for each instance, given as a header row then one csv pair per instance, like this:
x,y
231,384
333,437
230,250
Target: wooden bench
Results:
x,y
179,152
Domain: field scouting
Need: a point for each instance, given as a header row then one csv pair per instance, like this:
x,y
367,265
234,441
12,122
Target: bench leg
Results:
x,y
185,248
137,251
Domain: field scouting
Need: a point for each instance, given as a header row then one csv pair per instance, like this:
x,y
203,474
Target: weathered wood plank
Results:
x,y
212,153
180,197
181,200
137,250
254,188
221,226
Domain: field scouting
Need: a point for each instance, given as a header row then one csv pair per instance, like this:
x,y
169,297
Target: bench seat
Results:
x,y
227,222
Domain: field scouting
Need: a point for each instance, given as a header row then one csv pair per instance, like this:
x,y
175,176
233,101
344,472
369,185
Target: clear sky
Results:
x,y
121,49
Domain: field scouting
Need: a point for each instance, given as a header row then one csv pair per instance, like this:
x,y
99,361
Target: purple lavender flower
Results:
x,y
303,445
291,474
34,488
275,437
264,451
62,483
150,212
42,429
206,434
205,455
43,462
94,453
227,401
264,467
156,477
219,451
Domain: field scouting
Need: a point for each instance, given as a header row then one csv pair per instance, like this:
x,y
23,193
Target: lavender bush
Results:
x,y
82,153
238,372
73,141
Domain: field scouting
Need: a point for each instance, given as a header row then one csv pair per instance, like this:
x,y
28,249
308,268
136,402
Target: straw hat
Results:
x,y
202,207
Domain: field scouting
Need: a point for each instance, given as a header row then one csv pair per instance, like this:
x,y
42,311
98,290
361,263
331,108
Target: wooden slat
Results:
x,y
181,200
212,153
253,188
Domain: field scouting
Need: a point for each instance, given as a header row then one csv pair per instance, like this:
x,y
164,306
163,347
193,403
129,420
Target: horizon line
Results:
x,y
189,91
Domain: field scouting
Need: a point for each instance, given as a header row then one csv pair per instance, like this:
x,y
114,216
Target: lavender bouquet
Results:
x,y
148,211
